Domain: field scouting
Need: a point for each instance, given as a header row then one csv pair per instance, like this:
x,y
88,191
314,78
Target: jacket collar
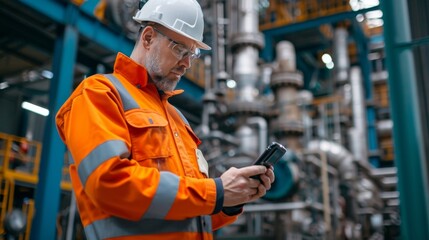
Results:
x,y
136,74
130,70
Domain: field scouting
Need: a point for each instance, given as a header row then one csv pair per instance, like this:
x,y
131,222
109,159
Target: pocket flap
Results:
x,y
143,118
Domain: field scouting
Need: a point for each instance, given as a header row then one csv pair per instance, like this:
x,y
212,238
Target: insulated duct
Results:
x,y
358,133
338,156
341,56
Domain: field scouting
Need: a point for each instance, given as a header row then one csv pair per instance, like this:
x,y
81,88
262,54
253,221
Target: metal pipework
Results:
x,y
359,139
341,58
219,44
285,81
338,156
286,56
246,73
246,43
325,187
384,127
261,123
367,193
282,206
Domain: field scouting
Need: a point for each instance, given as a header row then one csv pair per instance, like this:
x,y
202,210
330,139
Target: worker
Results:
x,y
135,166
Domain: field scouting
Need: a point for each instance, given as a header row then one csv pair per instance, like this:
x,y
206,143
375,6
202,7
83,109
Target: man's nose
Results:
x,y
186,62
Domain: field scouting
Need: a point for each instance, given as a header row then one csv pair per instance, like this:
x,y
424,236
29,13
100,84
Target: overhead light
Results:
x,y
363,4
231,83
372,23
326,58
360,17
330,65
374,14
34,108
4,85
47,74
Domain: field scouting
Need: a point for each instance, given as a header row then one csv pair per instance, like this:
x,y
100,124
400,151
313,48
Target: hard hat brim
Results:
x,y
202,45
199,44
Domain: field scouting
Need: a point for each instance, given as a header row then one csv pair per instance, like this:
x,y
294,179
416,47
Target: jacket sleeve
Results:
x,y
92,125
224,215
222,219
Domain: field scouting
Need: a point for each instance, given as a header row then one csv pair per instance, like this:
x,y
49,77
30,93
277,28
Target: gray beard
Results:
x,y
161,82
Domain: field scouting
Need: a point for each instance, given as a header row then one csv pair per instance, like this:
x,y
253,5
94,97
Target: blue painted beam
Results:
x,y
306,69
86,25
89,6
48,188
295,27
411,157
268,52
414,43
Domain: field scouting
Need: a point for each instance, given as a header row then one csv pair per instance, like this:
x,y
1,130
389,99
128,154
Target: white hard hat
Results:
x,y
184,17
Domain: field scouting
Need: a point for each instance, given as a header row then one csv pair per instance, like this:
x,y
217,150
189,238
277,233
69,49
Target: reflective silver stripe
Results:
x,y
207,223
118,227
182,116
127,101
100,154
164,197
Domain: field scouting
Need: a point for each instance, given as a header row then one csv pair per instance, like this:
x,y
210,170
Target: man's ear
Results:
x,y
147,37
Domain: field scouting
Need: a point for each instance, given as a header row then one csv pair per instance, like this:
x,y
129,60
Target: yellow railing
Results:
x,y
20,160
28,209
7,189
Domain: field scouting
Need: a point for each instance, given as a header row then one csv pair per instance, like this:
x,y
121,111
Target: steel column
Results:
x,y
48,187
410,155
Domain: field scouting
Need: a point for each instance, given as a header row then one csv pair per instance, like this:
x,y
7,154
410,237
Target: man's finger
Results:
x,y
253,170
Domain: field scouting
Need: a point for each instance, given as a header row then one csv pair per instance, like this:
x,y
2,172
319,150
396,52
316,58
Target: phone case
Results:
x,y
271,155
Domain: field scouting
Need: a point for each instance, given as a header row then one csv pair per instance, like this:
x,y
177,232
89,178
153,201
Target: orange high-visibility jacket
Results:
x,y
133,159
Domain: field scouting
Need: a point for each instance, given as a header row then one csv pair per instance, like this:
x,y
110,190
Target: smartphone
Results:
x,y
271,155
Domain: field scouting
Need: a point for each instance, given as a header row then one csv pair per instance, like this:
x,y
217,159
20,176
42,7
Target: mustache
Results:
x,y
181,70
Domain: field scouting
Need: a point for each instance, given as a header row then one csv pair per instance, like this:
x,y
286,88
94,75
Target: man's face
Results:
x,y
164,62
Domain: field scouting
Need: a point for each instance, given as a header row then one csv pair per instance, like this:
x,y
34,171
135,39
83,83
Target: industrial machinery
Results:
x,y
327,186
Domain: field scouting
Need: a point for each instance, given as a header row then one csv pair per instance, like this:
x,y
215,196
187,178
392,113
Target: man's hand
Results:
x,y
239,188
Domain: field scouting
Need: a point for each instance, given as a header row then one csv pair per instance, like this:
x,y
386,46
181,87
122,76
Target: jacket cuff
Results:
x,y
219,196
234,210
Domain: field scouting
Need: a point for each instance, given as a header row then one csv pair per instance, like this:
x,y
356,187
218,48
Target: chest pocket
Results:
x,y
149,136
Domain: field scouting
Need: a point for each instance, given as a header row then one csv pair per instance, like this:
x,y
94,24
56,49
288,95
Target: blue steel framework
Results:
x,y
411,158
48,187
76,21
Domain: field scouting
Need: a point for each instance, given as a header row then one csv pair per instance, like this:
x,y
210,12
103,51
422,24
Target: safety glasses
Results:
x,y
179,50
